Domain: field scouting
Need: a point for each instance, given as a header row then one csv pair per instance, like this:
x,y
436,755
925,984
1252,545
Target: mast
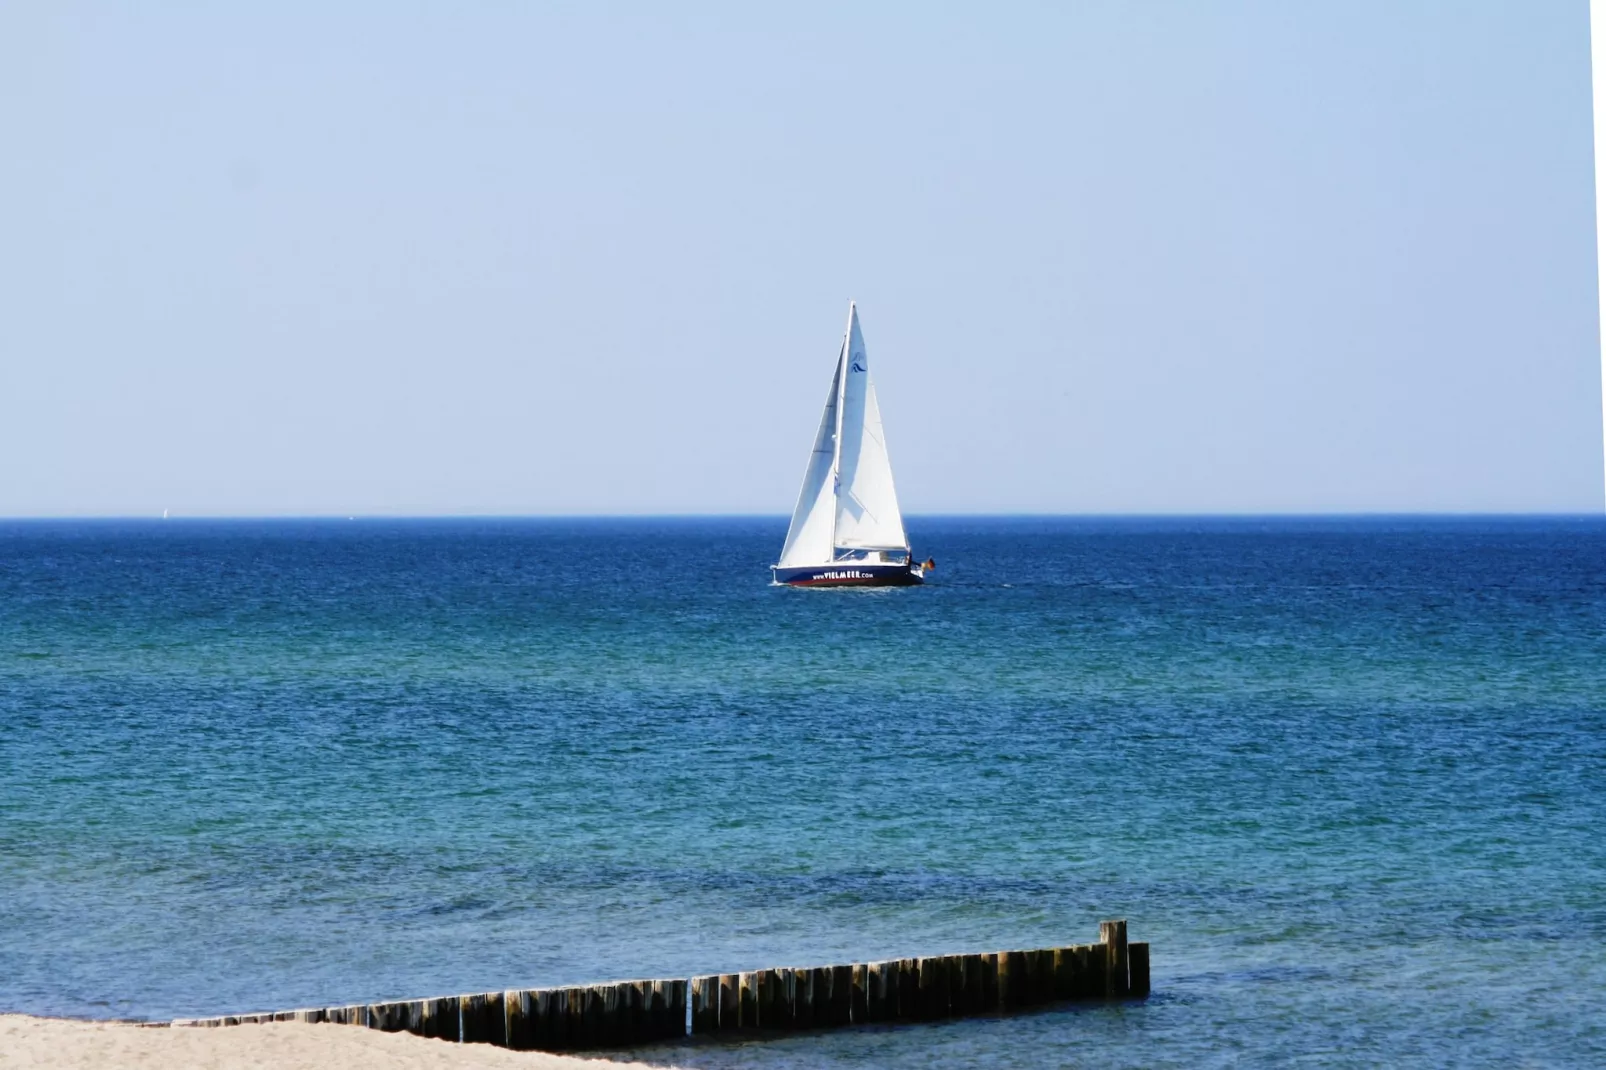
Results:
x,y
1597,57
836,457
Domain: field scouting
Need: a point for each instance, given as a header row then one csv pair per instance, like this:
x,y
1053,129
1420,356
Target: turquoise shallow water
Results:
x,y
1346,776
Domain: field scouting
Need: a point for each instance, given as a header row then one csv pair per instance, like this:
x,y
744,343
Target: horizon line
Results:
x,y
1003,515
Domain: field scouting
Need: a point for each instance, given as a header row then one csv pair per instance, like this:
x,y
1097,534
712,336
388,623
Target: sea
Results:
x,y
1347,776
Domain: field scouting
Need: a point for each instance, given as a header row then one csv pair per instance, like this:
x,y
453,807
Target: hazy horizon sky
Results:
x,y
416,259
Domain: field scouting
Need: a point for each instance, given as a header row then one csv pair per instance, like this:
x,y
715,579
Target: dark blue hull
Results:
x,y
849,574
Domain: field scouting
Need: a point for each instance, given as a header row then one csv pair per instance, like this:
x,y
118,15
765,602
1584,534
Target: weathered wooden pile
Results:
x,y
629,1013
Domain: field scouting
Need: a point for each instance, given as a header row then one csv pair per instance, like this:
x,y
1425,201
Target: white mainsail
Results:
x,y
867,516
847,501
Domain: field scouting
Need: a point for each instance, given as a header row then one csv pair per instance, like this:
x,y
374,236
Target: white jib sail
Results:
x,y
808,540
867,516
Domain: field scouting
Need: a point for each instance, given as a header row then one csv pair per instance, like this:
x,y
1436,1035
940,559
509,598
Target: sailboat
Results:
x,y
846,530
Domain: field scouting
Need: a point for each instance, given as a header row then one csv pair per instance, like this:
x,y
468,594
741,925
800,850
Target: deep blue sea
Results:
x,y
1347,776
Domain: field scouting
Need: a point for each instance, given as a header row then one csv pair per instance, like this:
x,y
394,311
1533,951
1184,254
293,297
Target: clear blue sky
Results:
x,y
520,258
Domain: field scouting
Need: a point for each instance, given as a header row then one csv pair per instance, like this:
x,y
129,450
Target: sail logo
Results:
x,y
858,362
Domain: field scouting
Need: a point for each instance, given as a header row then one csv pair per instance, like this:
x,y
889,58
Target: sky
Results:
x,y
510,258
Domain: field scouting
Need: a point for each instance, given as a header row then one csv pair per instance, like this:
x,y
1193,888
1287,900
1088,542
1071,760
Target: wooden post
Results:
x,y
590,1035
1011,979
909,989
1040,965
705,1003
1030,961
641,1008
387,1017
803,997
549,1027
656,998
575,1000
881,991
616,1024
989,981
841,995
518,1005
572,1027
441,1019
730,1001
859,1001
958,1006
1098,960
484,1019
1137,962
953,967
351,1015
402,1016
310,1015
660,1014
786,999
749,999
1050,961
822,986
1090,963
599,1015
605,1008
932,985
677,1010
639,1019
1112,934
768,991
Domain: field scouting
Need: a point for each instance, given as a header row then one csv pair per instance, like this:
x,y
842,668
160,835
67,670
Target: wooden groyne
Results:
x,y
627,1014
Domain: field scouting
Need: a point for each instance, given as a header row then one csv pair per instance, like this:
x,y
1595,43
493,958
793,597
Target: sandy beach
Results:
x,y
54,1042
